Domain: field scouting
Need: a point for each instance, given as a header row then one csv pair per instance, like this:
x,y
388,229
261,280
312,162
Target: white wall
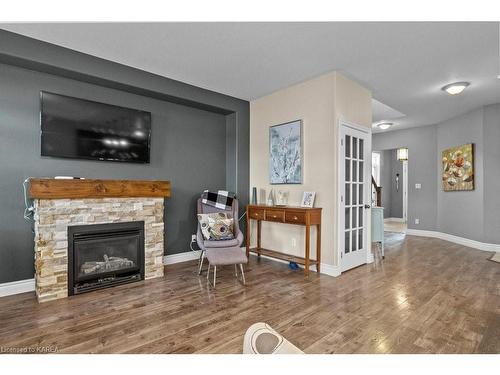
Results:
x,y
319,103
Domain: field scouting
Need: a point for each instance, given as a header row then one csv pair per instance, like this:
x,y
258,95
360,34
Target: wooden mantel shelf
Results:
x,y
49,188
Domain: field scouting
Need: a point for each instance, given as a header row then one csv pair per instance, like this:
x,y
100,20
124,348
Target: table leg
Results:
x,y
248,236
308,243
259,227
318,248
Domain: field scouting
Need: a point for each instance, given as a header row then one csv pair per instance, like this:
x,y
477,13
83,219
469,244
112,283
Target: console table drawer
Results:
x,y
295,217
275,215
256,213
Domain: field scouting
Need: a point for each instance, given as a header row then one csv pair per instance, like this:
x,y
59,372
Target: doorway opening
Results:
x,y
390,187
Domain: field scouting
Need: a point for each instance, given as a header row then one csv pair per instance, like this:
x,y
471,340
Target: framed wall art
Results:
x,y
285,153
458,168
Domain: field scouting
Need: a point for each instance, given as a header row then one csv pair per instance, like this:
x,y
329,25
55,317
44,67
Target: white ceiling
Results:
x,y
382,112
404,64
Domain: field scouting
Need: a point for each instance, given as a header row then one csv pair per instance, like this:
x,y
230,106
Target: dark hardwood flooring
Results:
x,y
427,296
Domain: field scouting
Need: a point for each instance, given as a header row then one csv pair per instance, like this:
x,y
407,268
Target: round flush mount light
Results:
x,y
384,125
455,88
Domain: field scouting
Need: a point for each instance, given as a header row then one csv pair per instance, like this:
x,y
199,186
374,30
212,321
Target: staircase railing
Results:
x,y
378,190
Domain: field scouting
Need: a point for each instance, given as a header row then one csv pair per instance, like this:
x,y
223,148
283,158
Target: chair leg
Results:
x,y
215,274
236,271
208,272
242,274
202,258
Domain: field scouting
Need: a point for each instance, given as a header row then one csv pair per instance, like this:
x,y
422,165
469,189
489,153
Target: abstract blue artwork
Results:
x,y
285,153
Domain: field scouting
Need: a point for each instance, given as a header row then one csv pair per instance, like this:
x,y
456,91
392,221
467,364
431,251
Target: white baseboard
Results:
x,y
326,269
181,257
455,239
16,287
23,286
395,219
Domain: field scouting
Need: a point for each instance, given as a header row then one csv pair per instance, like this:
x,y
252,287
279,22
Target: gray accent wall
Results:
x,y
461,212
392,198
385,180
421,143
491,158
199,140
469,214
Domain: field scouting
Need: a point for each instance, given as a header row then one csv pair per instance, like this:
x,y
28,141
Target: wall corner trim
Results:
x,y
330,270
455,239
17,287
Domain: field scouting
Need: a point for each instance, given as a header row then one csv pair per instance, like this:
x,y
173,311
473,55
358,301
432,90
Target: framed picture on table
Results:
x,y
308,199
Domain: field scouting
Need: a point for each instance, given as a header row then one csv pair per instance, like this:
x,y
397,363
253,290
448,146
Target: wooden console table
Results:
x,y
289,215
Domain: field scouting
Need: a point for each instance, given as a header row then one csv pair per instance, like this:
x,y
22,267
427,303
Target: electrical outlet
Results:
x,y
193,238
417,221
418,186
294,242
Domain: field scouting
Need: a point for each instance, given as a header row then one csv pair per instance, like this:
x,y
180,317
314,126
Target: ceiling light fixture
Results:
x,y
455,88
385,125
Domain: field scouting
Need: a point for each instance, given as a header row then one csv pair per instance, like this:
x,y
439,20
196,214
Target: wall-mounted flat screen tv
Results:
x,y
83,129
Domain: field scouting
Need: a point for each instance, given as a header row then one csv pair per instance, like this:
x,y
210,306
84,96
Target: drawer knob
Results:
x,y
274,216
295,218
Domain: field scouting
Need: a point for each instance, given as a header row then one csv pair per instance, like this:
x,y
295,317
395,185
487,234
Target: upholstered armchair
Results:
x,y
206,244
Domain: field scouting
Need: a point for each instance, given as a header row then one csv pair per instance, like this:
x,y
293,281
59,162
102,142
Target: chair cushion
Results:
x,y
216,226
221,243
226,256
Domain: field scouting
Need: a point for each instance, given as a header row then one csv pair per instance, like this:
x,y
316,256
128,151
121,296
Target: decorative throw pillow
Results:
x,y
216,226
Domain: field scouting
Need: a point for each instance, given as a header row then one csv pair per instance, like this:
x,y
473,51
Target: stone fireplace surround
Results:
x,y
54,215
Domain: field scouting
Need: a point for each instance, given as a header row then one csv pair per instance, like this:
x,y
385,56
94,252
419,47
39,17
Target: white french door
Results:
x,y
354,191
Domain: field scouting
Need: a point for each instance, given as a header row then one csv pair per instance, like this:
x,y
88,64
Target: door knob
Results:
x,y
367,206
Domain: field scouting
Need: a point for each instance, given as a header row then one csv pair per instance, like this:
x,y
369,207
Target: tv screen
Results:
x,y
83,129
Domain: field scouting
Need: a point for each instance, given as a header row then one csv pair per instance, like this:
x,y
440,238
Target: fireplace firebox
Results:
x,y
103,255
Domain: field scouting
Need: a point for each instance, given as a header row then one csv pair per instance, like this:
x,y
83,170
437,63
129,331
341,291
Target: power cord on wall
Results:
x,y
29,209
193,240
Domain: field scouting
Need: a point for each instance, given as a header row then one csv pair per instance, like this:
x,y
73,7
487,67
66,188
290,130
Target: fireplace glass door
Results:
x,y
102,255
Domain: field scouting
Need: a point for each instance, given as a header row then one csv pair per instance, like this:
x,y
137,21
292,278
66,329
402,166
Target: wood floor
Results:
x,y
427,296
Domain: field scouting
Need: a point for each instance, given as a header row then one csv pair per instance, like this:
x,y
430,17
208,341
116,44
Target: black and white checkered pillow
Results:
x,y
221,199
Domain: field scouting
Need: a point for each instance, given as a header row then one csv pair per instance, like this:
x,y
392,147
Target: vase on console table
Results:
x,y
254,195
282,198
270,198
